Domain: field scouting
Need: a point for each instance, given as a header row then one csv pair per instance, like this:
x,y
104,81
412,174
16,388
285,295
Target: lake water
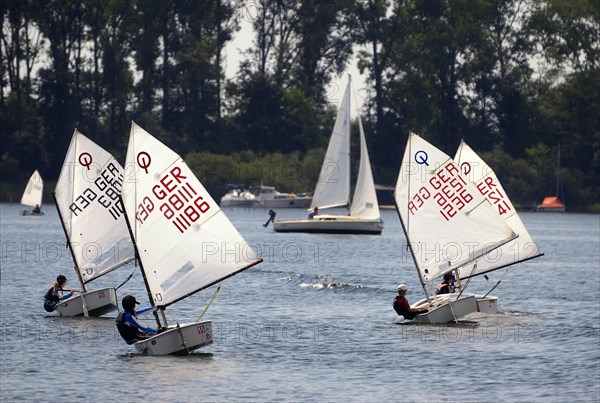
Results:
x,y
313,322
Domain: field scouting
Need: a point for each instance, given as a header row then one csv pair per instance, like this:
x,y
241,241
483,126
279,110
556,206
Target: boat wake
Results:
x,y
320,282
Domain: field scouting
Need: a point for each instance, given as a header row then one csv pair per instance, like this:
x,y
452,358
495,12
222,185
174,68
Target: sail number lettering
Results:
x,y
490,190
176,199
449,191
106,190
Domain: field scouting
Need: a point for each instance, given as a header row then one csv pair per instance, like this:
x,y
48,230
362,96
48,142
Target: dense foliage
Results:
x,y
514,78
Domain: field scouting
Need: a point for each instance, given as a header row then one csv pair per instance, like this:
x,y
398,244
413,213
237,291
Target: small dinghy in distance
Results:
x,y
92,217
448,225
183,240
32,196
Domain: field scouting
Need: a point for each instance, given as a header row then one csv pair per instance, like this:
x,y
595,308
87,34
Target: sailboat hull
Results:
x,y
331,224
31,213
446,308
178,340
97,303
488,304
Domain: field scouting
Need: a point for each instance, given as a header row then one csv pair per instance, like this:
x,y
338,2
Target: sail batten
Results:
x,y
87,198
183,238
433,196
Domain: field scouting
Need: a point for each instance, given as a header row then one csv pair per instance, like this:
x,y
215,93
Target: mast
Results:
x,y
405,227
558,173
139,261
62,223
348,198
412,252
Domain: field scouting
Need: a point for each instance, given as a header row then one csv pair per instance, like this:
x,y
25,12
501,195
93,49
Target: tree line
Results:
x,y
514,78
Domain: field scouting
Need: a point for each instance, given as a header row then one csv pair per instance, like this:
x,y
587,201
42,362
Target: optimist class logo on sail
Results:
x,y
177,199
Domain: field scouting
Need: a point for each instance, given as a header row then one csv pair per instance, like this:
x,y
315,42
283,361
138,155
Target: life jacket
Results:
x,y
402,308
444,288
129,333
51,299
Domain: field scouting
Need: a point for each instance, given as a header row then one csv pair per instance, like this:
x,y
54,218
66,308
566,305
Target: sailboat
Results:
x,y
553,203
32,196
333,187
87,200
184,242
448,225
519,250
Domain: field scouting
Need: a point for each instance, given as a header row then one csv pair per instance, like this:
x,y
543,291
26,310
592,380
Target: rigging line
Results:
x,y
127,279
496,285
492,289
452,309
468,279
209,303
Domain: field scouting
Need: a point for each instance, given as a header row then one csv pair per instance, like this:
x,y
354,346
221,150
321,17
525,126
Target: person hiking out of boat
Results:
x,y
402,307
313,213
447,286
56,293
129,328
36,209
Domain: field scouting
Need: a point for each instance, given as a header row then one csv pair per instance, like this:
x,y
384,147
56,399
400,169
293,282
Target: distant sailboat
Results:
x,y
32,196
448,225
553,203
184,242
333,187
87,200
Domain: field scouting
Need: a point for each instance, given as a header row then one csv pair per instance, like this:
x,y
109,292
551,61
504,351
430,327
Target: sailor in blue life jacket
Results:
x,y
402,307
52,297
447,286
313,213
129,328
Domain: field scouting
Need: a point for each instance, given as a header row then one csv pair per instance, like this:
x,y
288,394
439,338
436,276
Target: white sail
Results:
x,y
447,222
87,197
333,187
32,196
185,242
364,203
487,184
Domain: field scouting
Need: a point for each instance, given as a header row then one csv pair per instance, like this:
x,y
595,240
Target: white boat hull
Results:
x,y
446,308
488,304
285,202
178,340
238,203
97,303
331,224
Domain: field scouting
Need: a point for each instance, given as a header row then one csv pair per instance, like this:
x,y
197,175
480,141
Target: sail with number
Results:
x,y
32,196
87,198
184,241
447,222
333,187
485,180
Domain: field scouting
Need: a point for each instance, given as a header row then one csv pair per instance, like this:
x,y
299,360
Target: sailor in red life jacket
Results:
x,y
402,307
447,286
